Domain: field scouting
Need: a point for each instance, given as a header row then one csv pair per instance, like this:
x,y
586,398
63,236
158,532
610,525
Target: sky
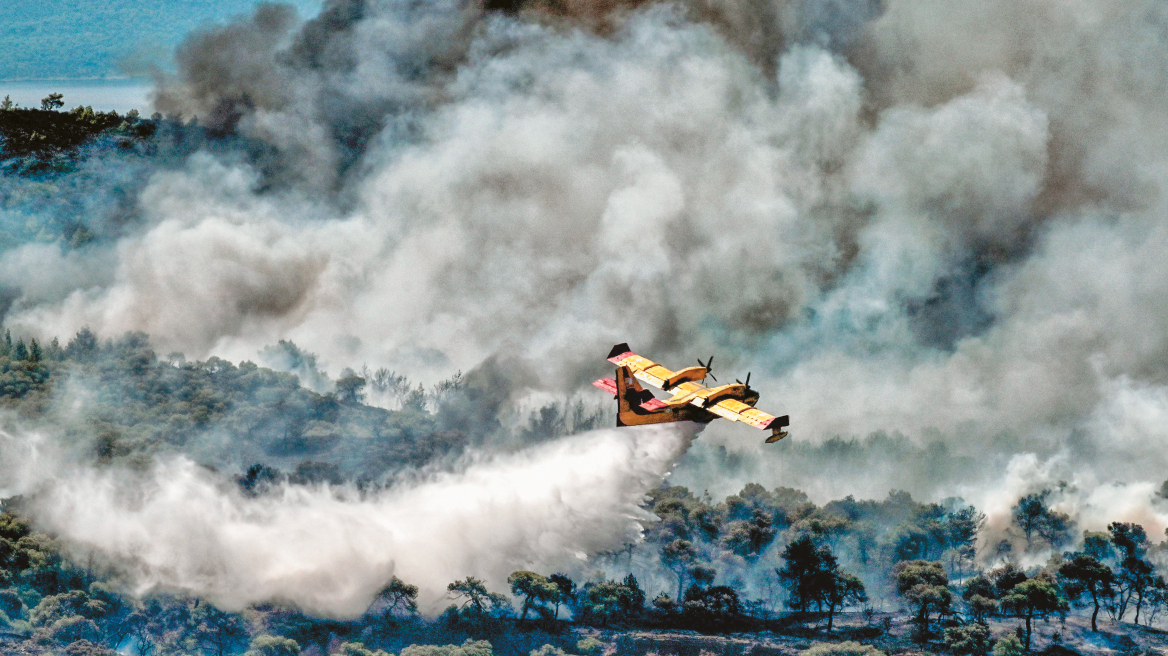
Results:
x,y
70,39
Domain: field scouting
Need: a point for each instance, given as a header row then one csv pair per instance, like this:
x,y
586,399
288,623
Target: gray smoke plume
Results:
x,y
925,218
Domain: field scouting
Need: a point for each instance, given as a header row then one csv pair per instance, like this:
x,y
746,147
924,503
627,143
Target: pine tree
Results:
x,y
34,351
21,351
52,102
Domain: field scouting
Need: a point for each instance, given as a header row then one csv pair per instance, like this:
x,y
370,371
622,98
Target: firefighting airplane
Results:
x,y
691,401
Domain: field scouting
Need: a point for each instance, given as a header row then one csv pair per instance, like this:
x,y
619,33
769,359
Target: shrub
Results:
x,y
589,646
468,648
269,645
1009,646
356,649
973,639
847,648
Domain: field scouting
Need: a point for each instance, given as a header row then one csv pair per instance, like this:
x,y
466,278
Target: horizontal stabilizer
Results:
x,y
653,405
778,422
606,384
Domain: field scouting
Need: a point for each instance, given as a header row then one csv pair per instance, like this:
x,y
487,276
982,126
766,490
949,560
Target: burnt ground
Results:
x,y
1053,637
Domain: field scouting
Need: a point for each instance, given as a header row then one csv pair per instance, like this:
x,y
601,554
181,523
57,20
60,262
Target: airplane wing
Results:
x,y
643,369
735,410
688,393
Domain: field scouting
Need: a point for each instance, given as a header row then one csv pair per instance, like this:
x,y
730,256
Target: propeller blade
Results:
x,y
707,365
748,379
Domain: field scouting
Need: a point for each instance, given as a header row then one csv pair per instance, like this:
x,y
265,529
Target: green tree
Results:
x,y
567,589
1097,544
1085,574
476,598
925,586
1036,597
981,598
802,563
679,555
841,590
630,598
6,104
1157,599
52,102
399,596
749,537
962,525
714,608
1006,577
536,590
1035,518
812,575
216,631
349,388
601,603
1134,576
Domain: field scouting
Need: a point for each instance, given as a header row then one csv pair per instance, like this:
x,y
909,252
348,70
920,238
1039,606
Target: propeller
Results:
x,y
707,364
747,383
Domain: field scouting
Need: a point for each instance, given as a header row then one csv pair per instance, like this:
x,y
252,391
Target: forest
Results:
x,y
891,575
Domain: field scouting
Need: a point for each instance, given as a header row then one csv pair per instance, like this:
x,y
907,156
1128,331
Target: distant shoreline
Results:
x,y
102,93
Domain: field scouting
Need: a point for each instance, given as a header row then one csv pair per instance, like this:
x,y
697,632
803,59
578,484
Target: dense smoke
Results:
x,y
932,219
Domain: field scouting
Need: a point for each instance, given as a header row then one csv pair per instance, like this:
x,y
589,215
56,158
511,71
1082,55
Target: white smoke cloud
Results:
x,y
180,527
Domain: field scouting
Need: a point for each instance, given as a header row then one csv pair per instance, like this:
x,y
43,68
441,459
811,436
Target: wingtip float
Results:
x,y
691,400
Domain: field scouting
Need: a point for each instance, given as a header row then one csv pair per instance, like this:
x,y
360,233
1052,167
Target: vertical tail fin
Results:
x,y
615,355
